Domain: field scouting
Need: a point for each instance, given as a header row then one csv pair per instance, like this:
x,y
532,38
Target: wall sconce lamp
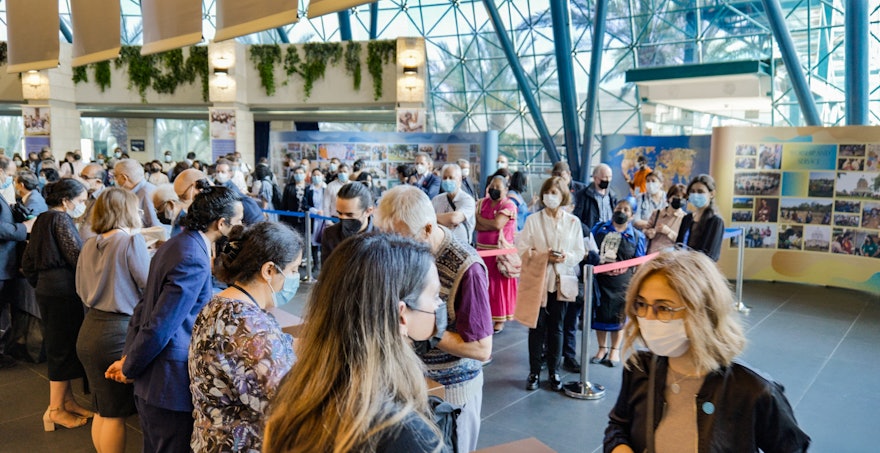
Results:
x,y
221,78
33,78
410,71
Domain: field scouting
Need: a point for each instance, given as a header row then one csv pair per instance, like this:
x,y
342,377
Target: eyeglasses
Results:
x,y
438,303
661,312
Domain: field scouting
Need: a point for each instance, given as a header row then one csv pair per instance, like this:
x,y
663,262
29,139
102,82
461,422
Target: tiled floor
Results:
x,y
823,344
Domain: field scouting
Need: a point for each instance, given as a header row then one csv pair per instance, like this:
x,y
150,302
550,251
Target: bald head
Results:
x,y
128,173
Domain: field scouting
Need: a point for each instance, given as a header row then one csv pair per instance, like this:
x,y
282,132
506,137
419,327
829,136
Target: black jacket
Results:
x,y
738,410
11,234
586,208
706,237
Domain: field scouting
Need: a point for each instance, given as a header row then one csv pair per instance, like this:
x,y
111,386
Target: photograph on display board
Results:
x,y
871,216
858,185
223,124
807,211
37,121
309,151
855,242
791,237
743,203
411,120
402,152
380,152
872,158
745,163
822,184
850,164
855,150
677,159
846,220
742,216
847,206
817,238
746,150
869,245
756,235
770,156
364,151
756,183
766,209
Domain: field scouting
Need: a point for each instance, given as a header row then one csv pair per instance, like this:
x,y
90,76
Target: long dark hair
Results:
x,y
211,204
248,248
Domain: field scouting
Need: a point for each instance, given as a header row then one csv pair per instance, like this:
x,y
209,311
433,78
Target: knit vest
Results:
x,y
452,259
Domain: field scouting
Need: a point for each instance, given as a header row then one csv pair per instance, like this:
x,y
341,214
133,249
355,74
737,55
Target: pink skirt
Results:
x,y
502,292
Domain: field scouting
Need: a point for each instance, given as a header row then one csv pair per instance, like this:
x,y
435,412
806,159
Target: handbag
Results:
x,y
531,295
566,288
509,265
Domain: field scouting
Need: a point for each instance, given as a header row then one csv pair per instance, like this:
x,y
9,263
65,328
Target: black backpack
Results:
x,y
445,416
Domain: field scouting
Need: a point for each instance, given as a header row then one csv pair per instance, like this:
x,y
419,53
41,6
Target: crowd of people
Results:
x,y
155,282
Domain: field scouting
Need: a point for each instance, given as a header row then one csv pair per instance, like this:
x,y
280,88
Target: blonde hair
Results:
x,y
713,326
405,210
356,376
115,208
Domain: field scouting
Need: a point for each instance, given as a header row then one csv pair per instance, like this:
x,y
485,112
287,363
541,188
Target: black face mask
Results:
x,y
350,227
619,218
603,185
495,194
675,203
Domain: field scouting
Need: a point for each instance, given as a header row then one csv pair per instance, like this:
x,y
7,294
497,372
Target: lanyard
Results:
x,y
235,285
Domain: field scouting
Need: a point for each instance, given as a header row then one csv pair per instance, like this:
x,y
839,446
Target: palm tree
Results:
x,y
183,136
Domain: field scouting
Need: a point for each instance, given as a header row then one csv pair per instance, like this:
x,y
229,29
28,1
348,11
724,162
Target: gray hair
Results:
x,y
601,166
131,168
455,169
405,210
463,161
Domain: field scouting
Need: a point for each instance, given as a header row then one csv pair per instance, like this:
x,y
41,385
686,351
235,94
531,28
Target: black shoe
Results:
x,y
608,362
555,382
533,382
597,359
571,365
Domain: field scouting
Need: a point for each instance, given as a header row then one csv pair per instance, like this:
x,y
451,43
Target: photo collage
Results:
x,y
806,196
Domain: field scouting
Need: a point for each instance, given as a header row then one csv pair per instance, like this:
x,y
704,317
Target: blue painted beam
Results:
x,y
824,37
282,35
525,87
344,25
792,63
593,85
561,20
856,45
374,20
65,30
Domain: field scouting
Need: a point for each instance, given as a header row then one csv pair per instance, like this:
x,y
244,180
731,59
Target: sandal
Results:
x,y
53,417
610,363
600,358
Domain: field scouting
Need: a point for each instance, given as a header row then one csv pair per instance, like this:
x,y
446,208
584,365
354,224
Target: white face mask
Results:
x,y
667,339
501,164
653,187
465,172
421,169
78,210
551,201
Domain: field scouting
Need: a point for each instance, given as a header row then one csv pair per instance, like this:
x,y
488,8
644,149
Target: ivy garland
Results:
x,y
318,55
353,62
197,64
102,74
264,57
379,53
292,62
80,74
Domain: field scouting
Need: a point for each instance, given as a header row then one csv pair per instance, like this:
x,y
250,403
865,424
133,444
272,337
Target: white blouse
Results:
x,y
543,233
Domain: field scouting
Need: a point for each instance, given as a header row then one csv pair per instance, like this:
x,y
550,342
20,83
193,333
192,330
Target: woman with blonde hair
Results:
x,y
687,391
358,384
110,277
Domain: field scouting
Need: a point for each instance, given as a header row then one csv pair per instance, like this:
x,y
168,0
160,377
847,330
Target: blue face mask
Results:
x,y
42,180
6,184
288,290
448,185
699,200
299,177
343,177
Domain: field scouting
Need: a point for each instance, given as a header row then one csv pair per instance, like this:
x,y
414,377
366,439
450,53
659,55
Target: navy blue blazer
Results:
x,y
11,234
430,185
157,345
36,203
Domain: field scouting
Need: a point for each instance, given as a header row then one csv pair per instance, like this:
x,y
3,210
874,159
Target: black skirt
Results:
x,y
61,313
100,343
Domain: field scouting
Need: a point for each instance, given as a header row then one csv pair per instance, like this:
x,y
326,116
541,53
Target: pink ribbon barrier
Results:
x,y
623,264
495,252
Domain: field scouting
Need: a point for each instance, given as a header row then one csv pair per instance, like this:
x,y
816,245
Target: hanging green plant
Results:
x,y
318,56
292,63
80,74
197,64
141,68
102,74
379,53
353,62
166,81
264,57
3,52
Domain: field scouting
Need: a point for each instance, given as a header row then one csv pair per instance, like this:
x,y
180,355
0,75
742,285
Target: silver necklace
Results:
x,y
675,387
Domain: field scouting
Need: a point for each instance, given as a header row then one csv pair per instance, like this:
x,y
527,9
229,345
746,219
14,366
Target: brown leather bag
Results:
x,y
532,290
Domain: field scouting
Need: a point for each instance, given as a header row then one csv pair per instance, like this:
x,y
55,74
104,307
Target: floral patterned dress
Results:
x,y
237,358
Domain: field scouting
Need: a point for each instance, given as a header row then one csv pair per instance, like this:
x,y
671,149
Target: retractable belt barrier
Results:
x,y
740,253
307,253
495,252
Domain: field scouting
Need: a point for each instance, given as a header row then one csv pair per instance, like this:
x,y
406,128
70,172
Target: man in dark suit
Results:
x,y
159,333
354,205
11,234
428,181
28,188
223,177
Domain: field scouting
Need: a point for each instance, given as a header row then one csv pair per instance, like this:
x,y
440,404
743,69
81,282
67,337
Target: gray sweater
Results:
x,y
112,271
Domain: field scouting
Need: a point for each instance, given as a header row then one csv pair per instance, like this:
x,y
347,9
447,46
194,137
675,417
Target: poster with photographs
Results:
x,y
815,197
37,120
411,120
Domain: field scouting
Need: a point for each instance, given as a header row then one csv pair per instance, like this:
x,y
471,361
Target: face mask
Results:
x,y
117,155
675,203
288,290
603,185
551,201
221,178
78,211
343,177
42,180
333,168
350,227
465,172
448,185
167,158
6,184
619,218
299,177
495,194
317,180
501,164
653,187
667,339
699,200
421,169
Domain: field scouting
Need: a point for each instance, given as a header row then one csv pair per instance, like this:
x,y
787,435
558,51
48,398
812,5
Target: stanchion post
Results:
x,y
308,242
739,272
584,389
